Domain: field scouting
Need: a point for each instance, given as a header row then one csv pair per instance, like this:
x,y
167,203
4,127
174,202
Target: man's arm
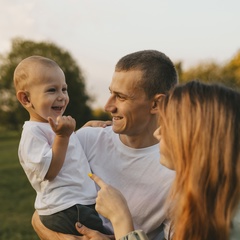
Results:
x,y
97,123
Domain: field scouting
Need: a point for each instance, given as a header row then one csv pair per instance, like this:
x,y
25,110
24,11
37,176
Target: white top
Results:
x,y
72,184
235,233
137,173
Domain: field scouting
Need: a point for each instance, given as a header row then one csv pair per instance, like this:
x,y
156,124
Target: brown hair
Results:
x,y
200,125
159,73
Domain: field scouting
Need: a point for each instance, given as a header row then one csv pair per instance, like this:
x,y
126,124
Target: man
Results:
x,y
126,155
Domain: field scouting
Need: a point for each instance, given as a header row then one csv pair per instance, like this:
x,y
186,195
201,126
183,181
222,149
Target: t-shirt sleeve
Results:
x,y
35,153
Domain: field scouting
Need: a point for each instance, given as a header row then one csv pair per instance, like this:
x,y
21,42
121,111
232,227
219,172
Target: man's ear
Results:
x,y
154,108
23,98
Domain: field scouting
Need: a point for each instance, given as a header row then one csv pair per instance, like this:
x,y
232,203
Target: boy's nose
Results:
x,y
61,96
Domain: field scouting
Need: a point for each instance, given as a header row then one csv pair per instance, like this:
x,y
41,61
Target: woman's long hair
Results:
x,y
200,125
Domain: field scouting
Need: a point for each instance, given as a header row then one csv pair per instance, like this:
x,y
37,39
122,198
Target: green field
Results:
x,y
16,194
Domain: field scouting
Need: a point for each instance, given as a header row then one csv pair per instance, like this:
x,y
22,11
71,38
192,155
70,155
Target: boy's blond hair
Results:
x,y
23,73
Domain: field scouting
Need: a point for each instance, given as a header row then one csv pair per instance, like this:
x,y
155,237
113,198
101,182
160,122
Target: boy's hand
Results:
x,y
64,125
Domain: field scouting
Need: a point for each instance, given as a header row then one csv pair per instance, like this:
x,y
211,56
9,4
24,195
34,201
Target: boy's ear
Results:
x,y
154,108
23,98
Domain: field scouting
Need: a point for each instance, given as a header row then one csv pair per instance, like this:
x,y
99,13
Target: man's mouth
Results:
x,y
116,118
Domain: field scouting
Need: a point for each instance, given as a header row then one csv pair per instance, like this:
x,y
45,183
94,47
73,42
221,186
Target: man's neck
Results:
x,y
138,142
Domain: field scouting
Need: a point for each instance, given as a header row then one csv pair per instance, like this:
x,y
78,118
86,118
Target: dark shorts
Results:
x,y
65,220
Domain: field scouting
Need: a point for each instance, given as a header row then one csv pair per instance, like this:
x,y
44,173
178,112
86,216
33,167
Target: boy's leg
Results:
x,y
65,220
88,216
47,234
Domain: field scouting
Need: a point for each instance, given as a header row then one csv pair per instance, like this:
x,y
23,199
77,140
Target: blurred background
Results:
x,y
87,38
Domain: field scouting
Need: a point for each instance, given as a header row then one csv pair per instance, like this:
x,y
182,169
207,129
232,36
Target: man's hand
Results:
x,y
89,234
97,123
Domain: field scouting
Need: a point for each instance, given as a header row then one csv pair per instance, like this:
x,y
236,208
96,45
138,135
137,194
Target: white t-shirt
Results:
x,y
235,232
71,186
137,173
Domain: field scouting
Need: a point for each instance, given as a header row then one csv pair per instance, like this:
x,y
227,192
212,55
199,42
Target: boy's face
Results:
x,y
47,94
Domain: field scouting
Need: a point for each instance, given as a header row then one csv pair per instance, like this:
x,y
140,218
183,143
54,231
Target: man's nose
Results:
x,y
110,105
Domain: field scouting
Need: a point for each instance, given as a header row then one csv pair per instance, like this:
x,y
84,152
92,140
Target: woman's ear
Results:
x,y
154,108
23,98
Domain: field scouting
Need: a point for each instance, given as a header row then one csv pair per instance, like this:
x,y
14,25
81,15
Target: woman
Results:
x,y
199,138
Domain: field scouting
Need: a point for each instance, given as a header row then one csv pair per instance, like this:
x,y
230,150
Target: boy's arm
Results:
x,y
63,128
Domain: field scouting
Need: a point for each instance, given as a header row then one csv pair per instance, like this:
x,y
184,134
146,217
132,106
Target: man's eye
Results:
x,y
120,97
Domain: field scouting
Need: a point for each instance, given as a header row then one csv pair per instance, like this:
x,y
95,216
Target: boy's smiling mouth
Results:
x,y
57,108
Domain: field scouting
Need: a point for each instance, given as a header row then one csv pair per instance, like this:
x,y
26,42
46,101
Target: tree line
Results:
x,y
211,72
12,115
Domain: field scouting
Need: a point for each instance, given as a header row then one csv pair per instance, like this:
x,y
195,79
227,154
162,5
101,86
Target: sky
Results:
x,y
97,33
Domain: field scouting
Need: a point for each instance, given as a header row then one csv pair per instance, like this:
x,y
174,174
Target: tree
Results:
x,y
100,114
231,71
227,74
206,72
12,114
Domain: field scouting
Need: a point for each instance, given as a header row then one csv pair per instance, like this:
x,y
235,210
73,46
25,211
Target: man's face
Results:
x,y
128,104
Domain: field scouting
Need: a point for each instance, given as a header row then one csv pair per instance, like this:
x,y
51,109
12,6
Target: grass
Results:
x,y
16,194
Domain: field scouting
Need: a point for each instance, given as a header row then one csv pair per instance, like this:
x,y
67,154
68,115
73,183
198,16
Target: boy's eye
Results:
x,y
51,90
64,89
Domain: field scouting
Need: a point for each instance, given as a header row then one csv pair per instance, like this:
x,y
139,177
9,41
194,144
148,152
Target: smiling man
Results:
x,y
126,155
